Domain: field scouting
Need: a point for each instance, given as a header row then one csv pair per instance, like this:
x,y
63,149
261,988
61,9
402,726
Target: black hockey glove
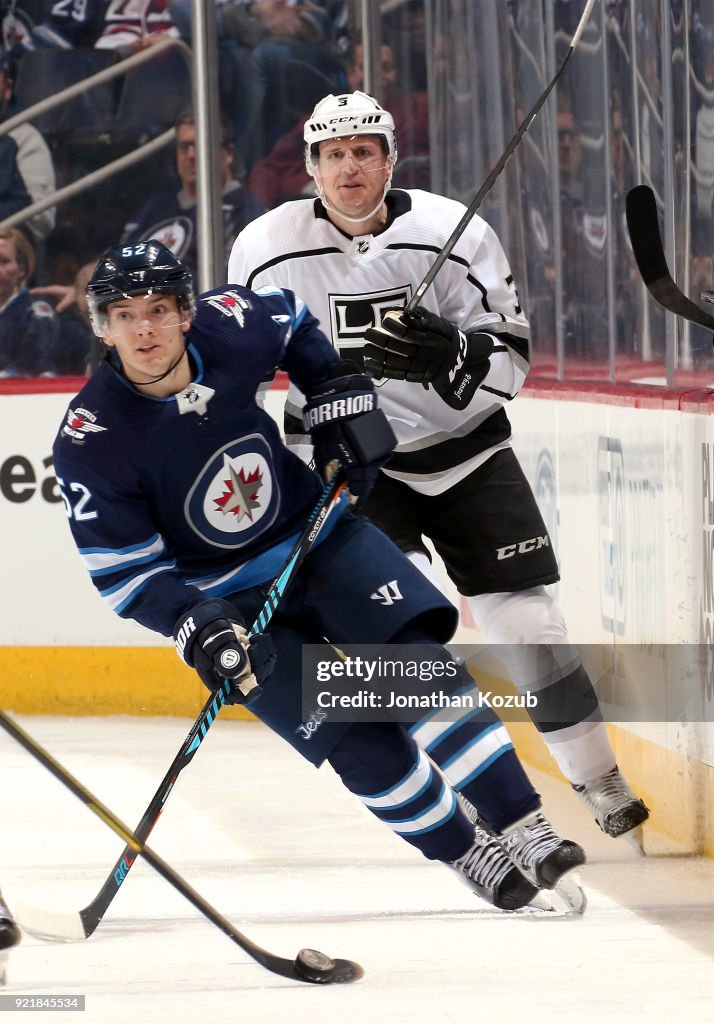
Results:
x,y
424,348
347,428
212,639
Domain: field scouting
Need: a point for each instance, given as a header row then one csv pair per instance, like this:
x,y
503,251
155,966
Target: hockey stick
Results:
x,y
81,924
643,228
496,170
308,965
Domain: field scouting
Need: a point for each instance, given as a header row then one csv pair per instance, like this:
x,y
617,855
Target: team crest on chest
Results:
x,y
351,315
235,496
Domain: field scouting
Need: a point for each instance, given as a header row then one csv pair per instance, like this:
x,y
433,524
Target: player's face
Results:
x,y
11,273
352,172
147,332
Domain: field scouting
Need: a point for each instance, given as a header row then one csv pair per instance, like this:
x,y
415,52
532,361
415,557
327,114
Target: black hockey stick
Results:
x,y
81,924
643,228
496,170
308,965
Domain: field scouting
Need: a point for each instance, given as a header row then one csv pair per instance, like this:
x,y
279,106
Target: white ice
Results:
x,y
293,860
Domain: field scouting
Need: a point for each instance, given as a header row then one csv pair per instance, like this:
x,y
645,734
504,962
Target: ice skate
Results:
x,y
9,936
614,806
567,897
491,874
539,852
9,932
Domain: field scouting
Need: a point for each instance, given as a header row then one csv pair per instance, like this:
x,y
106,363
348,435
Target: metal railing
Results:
x,y
78,89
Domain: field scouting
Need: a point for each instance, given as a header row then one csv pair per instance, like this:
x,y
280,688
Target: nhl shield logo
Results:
x,y
235,497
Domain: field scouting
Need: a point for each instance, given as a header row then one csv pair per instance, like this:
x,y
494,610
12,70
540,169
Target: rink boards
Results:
x,y
625,482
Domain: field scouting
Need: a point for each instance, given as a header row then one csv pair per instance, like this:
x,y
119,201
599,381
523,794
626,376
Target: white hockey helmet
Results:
x,y
352,113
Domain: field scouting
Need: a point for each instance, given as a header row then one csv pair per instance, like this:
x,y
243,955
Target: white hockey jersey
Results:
x,y
348,284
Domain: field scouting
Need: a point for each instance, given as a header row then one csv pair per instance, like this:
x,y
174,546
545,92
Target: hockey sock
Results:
x,y
473,749
381,765
530,638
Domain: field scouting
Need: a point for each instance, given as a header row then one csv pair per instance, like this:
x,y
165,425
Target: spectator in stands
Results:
x,y
81,349
28,328
123,27
13,194
277,58
34,159
170,217
282,174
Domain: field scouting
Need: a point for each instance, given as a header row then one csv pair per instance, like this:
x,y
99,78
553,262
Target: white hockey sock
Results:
x,y
533,645
582,752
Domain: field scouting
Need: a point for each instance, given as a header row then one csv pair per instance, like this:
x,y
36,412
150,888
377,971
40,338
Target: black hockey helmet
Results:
x,y
142,269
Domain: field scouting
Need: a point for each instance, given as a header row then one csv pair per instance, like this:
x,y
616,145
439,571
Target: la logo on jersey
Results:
x,y
351,315
235,496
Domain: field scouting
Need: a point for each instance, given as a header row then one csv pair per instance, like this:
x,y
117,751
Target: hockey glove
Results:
x,y
424,348
347,428
211,639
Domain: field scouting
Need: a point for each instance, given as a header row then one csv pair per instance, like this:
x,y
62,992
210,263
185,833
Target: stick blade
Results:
x,y
643,228
55,925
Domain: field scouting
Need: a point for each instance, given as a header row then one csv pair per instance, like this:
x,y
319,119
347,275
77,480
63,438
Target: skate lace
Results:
x,y
485,863
608,794
531,843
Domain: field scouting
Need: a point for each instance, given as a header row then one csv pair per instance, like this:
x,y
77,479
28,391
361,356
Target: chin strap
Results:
x,y
354,220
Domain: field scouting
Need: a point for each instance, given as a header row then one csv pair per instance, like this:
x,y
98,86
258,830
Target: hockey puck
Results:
x,y
313,965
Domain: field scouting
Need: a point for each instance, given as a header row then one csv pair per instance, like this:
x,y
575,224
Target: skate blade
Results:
x,y
636,838
566,900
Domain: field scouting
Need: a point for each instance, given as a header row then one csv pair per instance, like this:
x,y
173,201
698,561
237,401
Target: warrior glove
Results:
x,y
424,348
212,639
346,427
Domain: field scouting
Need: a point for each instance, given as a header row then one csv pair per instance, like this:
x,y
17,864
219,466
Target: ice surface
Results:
x,y
294,860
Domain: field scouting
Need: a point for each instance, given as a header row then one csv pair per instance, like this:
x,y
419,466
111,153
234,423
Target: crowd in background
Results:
x,y
276,59
458,76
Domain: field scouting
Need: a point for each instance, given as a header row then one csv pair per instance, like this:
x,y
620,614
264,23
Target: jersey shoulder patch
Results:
x,y
41,308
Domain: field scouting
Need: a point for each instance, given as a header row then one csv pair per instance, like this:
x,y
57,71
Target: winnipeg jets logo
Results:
x,y
387,594
235,497
80,423
230,303
240,497
175,233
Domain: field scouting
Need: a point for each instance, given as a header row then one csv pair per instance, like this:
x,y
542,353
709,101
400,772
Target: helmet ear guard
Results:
x,y
147,268
347,114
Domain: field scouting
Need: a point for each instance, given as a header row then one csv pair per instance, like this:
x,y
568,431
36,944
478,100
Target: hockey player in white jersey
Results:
x,y
444,376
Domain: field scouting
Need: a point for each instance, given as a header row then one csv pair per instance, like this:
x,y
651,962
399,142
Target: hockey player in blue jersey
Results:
x,y
184,502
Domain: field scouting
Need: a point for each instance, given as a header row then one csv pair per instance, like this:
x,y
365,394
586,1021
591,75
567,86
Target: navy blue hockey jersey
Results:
x,y
29,337
172,501
165,218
